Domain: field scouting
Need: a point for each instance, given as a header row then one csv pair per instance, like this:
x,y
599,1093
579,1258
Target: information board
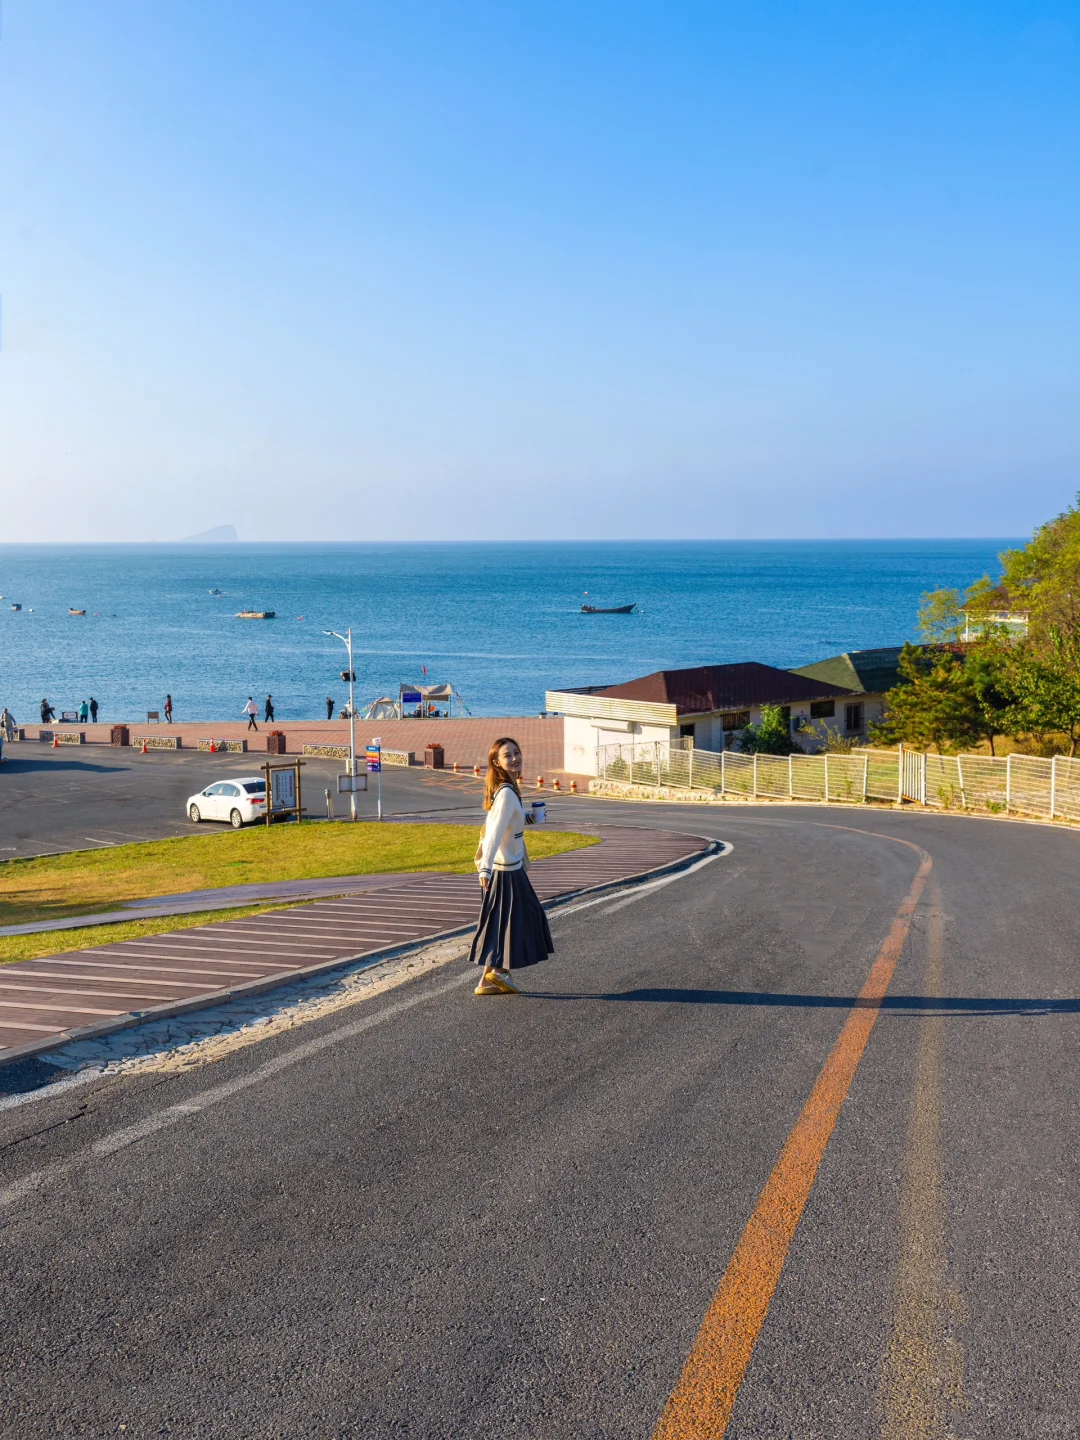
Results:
x,y
283,789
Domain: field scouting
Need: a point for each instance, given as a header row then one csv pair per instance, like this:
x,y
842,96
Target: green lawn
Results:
x,y
88,882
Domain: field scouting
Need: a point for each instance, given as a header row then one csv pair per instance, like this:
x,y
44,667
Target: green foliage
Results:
x,y
941,618
1044,578
949,702
771,737
828,739
1046,684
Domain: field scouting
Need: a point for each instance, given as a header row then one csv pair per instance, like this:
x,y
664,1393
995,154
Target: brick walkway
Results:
x,y
60,997
465,741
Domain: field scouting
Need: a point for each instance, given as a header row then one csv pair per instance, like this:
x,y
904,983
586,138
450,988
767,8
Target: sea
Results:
x,y
500,622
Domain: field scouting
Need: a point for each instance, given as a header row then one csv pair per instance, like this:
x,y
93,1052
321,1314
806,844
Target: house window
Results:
x,y
853,716
735,719
686,731
824,709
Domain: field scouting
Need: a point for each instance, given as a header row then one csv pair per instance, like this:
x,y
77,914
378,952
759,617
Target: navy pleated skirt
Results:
x,y
513,929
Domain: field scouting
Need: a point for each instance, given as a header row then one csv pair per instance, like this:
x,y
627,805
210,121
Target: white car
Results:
x,y
237,801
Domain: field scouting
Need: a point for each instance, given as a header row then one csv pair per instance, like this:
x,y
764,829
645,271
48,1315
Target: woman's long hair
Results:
x,y
496,775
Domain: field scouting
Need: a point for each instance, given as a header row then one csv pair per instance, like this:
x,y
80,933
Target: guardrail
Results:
x,y
1011,784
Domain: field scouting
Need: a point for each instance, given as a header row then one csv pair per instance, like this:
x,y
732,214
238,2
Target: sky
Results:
x,y
444,269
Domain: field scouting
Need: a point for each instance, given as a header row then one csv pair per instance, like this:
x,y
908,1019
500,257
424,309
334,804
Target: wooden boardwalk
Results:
x,y
48,1001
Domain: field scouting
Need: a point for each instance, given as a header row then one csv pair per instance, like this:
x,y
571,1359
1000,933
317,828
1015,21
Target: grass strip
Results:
x,y
87,882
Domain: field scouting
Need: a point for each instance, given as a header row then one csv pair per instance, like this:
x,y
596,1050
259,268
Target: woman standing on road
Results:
x,y
513,929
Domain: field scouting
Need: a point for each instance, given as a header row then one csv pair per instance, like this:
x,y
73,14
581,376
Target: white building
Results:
x,y
706,705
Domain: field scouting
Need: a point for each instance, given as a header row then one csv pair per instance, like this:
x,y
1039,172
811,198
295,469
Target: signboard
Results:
x,y
374,759
283,789
351,783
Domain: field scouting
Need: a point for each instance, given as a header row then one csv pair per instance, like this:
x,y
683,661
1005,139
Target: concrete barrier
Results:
x,y
327,752
158,742
229,747
70,737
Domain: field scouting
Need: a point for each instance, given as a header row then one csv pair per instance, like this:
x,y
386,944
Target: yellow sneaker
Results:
x,y
489,985
502,979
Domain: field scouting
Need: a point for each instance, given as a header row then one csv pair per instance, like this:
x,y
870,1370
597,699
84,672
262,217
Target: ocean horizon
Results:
x,y
500,621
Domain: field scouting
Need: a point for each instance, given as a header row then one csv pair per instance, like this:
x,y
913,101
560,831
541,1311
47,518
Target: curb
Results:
x,y
132,1018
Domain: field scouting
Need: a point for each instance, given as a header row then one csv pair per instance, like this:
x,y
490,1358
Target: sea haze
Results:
x,y
501,622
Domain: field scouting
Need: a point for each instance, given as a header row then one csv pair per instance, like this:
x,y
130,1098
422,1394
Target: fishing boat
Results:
x,y
256,614
14,606
76,612
215,592
614,610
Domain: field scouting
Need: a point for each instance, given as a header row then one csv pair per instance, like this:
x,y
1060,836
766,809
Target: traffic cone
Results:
x,y
213,747
56,742
145,748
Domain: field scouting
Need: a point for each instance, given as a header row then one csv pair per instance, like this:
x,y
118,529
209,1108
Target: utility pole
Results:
x,y
346,640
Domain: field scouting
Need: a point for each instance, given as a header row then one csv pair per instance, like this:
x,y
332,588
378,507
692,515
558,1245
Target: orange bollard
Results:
x,y
457,768
573,787
555,783
539,782
476,771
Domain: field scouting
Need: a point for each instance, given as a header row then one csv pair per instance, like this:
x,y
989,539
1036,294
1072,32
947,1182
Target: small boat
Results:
x,y
76,612
614,610
15,607
256,614
215,592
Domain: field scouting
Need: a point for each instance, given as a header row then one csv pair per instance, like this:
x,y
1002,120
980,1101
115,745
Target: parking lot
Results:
x,y
53,800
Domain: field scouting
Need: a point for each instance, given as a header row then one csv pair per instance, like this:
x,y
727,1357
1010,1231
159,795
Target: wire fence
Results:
x,y
1012,784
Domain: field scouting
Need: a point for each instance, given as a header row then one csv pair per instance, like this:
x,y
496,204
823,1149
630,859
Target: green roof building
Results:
x,y
869,672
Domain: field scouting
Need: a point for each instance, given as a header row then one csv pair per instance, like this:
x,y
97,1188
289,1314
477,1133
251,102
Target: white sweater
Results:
x,y
502,845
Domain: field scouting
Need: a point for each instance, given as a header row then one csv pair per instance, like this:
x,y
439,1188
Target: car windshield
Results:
x,y
255,787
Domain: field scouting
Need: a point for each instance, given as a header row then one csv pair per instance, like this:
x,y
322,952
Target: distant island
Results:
x,y
216,533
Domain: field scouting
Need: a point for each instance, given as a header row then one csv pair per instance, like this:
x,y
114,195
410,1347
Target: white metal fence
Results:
x,y
1020,784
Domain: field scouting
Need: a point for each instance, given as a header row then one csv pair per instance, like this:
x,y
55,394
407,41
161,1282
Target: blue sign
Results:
x,y
374,759
411,697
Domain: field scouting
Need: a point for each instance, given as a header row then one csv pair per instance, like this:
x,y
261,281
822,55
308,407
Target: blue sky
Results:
x,y
477,270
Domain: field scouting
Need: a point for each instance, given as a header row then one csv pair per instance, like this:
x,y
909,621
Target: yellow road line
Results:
x,y
700,1406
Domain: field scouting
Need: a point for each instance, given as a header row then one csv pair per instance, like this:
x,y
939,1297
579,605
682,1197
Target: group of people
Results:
x,y
251,710
88,710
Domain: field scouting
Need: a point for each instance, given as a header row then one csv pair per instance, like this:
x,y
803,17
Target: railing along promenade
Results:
x,y
1012,784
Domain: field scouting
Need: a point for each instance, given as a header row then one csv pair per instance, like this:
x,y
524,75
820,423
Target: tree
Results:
x,y
949,701
1047,687
771,737
1044,578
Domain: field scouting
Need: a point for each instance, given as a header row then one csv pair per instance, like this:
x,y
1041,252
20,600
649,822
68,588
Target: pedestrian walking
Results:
x,y
329,707
84,713
251,710
268,717
512,930
7,725
93,710
47,713
168,709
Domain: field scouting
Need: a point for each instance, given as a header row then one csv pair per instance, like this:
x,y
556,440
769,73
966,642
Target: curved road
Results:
x,y
432,1216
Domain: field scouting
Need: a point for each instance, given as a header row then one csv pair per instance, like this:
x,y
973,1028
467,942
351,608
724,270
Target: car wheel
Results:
x,y
236,820
194,815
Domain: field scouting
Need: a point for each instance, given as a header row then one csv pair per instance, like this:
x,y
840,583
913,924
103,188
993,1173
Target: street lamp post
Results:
x,y
346,640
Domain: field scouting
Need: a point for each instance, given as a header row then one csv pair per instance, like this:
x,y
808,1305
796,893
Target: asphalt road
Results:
x,y
52,800
435,1216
